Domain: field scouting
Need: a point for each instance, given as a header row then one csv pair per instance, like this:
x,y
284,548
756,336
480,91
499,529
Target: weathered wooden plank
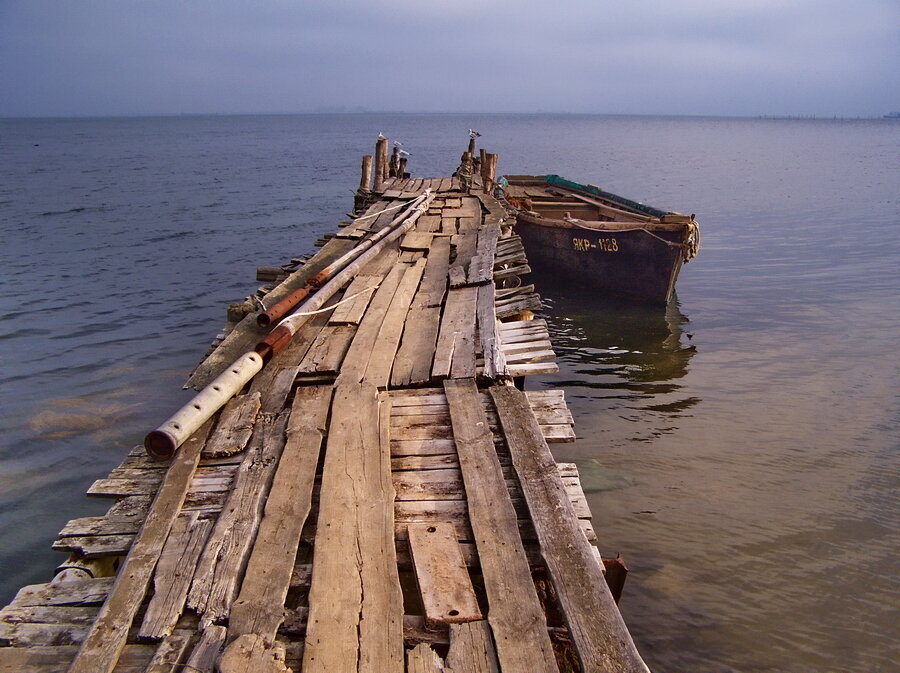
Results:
x,y
206,652
251,653
416,241
327,352
526,356
421,447
218,573
356,361
515,306
455,350
356,605
378,370
170,652
598,631
444,583
481,267
525,346
234,427
457,276
429,223
472,649
101,649
358,293
412,363
259,607
537,324
28,634
77,593
173,575
48,614
532,369
133,659
518,624
423,659
437,462
494,358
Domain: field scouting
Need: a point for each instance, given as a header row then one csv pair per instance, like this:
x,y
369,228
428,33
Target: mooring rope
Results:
x,y
381,212
690,247
335,304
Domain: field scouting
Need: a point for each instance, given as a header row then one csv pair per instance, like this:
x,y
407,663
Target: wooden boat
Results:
x,y
598,240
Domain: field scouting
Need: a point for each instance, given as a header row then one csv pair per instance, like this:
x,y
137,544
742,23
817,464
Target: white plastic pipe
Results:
x,y
162,442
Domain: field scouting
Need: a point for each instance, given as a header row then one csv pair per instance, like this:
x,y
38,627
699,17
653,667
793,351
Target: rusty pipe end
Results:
x,y
273,344
160,445
263,320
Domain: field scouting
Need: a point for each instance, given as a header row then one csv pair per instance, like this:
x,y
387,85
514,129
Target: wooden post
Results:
x,y
394,165
489,172
401,173
366,177
383,157
380,163
471,144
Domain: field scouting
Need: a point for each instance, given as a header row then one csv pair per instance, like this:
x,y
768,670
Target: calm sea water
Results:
x,y
739,448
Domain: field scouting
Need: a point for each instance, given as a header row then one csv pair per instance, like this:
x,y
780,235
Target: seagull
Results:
x,y
473,133
381,136
404,153
397,143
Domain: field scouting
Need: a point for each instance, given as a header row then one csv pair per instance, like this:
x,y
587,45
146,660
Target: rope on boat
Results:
x,y
689,247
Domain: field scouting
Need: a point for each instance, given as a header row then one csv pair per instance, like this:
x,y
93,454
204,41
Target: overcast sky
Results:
x,y
716,57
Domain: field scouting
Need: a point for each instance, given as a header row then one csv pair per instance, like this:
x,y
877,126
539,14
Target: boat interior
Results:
x,y
553,198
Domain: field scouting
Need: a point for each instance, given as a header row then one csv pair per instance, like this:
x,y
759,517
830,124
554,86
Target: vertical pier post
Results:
x,y
365,181
380,163
366,176
401,172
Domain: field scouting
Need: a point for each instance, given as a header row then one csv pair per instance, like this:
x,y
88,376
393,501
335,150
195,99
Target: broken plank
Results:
x,y
173,575
472,649
234,427
218,573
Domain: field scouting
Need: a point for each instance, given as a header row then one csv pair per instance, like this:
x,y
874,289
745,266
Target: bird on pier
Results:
x,y
397,143
473,133
403,153
381,136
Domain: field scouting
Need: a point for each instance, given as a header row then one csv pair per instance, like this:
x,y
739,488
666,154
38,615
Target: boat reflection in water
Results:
x,y
621,365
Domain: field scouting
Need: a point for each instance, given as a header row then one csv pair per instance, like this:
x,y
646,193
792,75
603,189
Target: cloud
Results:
x,y
696,56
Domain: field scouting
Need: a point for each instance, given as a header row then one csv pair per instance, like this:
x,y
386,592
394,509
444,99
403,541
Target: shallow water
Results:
x,y
739,447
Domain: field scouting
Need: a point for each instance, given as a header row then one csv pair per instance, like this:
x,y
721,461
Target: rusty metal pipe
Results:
x,y
288,303
162,442
281,308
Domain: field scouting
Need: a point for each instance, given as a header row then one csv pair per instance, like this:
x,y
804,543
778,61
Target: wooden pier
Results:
x,y
379,498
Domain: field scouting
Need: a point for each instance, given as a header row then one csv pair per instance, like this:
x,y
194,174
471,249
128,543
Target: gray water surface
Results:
x,y
739,448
